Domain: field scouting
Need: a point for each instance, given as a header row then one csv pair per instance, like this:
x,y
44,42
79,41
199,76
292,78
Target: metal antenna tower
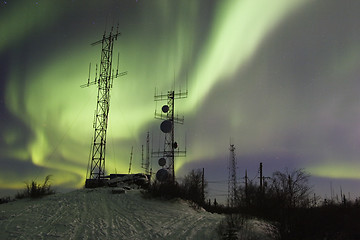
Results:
x,y
130,162
147,155
232,183
167,126
105,83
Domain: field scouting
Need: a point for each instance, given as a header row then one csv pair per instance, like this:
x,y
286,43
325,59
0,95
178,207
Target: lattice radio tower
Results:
x,y
167,160
96,168
232,183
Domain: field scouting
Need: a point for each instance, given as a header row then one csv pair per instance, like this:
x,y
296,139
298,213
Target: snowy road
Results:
x,y
98,214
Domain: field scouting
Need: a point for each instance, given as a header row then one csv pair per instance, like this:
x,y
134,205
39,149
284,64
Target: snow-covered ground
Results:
x,y
99,214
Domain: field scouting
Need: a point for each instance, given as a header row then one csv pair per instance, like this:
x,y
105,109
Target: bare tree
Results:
x,y
192,186
291,188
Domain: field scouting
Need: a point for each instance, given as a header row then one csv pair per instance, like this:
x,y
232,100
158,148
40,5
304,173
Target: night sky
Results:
x,y
280,78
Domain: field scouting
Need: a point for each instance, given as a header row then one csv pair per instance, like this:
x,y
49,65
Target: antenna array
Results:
x,y
104,82
167,160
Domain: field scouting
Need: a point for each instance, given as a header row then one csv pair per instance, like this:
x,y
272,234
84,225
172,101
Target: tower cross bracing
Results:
x,y
104,81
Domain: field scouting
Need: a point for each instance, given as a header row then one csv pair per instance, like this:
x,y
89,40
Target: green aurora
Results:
x,y
273,75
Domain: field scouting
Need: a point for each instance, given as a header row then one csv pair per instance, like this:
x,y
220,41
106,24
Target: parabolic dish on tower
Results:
x,y
165,108
166,126
162,162
162,175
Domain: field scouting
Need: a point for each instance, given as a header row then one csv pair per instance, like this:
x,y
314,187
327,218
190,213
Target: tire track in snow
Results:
x,y
98,214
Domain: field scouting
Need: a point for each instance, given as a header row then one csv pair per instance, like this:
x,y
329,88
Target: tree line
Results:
x,y
285,199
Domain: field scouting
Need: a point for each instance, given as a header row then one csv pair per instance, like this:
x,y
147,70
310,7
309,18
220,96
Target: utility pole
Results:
x,y
203,186
246,188
104,82
261,177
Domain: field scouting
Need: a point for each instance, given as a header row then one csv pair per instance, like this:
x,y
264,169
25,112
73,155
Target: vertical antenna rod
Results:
x,y
131,156
147,154
142,156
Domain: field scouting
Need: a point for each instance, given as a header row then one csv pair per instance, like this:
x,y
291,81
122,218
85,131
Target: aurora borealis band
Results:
x,y
280,78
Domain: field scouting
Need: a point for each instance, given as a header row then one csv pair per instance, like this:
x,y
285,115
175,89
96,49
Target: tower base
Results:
x,y
94,183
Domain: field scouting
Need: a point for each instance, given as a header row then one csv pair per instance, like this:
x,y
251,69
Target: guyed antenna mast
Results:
x,y
104,82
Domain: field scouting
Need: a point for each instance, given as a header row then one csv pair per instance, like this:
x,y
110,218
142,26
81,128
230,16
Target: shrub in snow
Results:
x,y
36,190
5,200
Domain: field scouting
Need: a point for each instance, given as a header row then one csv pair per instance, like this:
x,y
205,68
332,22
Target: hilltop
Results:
x,y
99,214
